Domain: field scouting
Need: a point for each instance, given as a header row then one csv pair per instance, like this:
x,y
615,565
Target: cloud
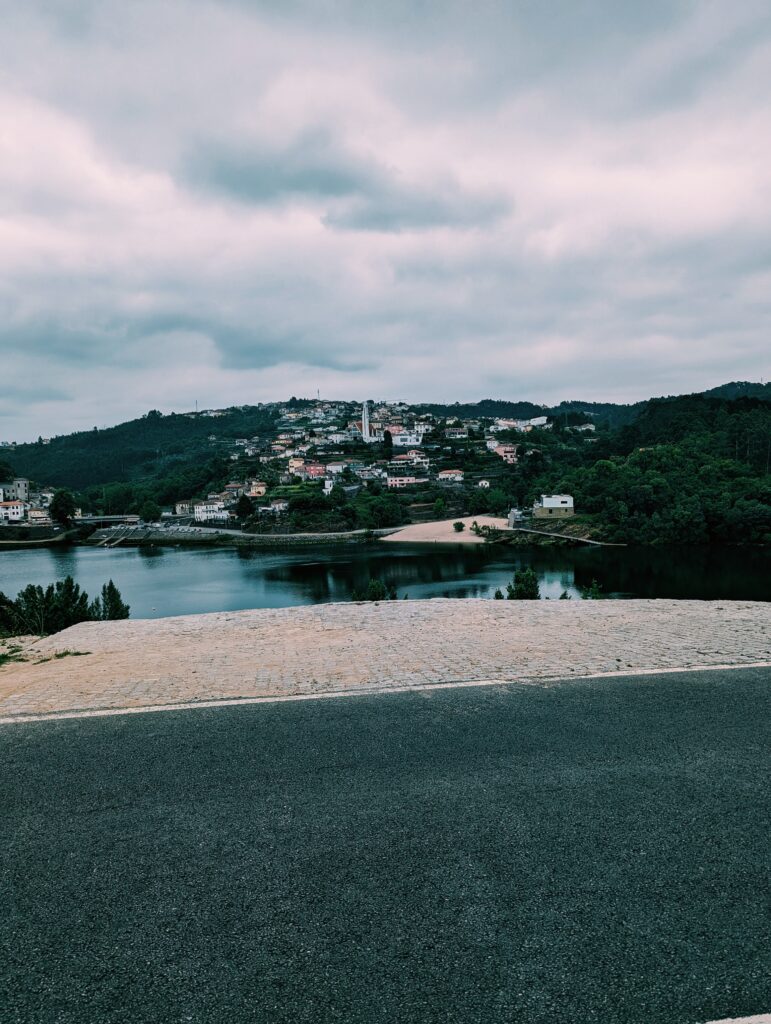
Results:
x,y
234,201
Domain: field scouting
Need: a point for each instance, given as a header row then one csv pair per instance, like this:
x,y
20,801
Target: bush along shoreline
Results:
x,y
62,604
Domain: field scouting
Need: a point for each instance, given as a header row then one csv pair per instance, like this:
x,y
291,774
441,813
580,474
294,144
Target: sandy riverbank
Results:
x,y
443,531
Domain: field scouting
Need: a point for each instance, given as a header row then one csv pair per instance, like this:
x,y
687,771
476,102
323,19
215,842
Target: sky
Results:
x,y
230,202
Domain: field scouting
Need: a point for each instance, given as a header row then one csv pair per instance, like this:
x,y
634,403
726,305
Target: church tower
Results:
x,y
365,423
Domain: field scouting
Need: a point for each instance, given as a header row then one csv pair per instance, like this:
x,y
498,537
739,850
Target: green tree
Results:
x,y
459,527
388,445
524,586
7,615
244,507
62,604
62,507
150,511
42,612
110,605
440,507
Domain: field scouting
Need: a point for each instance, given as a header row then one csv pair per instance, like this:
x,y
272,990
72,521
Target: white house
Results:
x,y
417,455
12,511
450,476
210,512
395,482
406,439
38,517
553,506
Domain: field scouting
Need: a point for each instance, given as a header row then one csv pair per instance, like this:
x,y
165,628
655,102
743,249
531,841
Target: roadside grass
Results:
x,y
62,654
13,652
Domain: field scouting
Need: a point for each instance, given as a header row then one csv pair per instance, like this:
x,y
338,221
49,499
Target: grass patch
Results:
x,y
13,652
62,654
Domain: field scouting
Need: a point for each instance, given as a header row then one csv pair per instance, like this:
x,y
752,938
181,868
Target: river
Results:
x,y
180,581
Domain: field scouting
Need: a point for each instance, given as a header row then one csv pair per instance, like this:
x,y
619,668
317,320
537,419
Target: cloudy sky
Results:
x,y
230,202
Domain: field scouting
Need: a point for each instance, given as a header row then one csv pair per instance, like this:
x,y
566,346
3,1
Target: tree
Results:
x,y
150,512
244,507
459,527
388,445
62,507
110,605
440,507
60,605
524,586
42,612
7,618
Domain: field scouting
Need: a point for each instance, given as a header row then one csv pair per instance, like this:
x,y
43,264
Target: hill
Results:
x,y
741,389
151,446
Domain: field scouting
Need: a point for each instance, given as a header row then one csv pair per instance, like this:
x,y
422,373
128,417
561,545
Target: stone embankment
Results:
x,y
174,536
347,648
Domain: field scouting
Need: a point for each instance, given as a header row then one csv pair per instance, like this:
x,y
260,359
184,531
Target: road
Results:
x,y
595,851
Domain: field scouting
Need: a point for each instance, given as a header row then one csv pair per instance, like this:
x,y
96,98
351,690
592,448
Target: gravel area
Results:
x,y
358,647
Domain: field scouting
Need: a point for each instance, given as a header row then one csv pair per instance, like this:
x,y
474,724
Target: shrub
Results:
x,y
376,590
459,527
593,592
524,586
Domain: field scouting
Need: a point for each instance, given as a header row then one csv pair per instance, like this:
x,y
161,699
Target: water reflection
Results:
x,y
175,581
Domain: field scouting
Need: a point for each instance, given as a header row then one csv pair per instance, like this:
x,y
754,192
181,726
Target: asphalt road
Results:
x,y
593,852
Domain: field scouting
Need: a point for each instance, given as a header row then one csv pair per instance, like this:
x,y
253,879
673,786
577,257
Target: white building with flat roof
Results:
x,y
12,511
554,506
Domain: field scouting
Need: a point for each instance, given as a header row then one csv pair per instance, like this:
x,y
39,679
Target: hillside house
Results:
x,y
210,511
12,511
38,517
553,506
396,482
507,452
14,490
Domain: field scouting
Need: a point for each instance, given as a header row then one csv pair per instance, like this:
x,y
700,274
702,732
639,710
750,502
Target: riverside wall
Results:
x,y
197,536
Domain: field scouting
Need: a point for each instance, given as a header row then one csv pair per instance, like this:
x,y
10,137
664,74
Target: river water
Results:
x,y
180,581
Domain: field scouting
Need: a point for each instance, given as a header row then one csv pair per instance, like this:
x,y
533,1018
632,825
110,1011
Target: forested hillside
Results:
x,y
153,447
688,470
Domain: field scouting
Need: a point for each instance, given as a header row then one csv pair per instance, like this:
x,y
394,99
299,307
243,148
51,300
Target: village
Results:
x,y
335,449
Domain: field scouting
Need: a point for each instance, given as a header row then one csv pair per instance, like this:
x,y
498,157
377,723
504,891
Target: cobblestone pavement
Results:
x,y
347,647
